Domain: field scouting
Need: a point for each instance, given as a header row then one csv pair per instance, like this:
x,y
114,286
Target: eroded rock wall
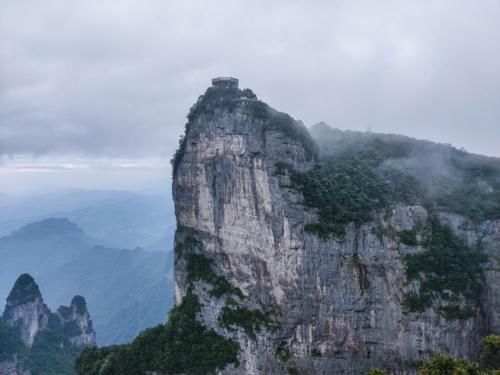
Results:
x,y
338,305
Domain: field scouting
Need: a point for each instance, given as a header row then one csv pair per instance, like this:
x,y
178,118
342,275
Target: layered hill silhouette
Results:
x,y
126,290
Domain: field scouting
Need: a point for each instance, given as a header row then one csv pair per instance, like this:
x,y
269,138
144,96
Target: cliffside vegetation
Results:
x,y
182,345
442,364
348,189
362,172
233,315
251,321
285,124
490,358
447,271
10,341
199,267
52,352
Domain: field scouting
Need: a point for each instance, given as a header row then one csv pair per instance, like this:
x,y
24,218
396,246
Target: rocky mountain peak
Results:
x,y
25,290
223,112
76,321
34,336
25,309
79,305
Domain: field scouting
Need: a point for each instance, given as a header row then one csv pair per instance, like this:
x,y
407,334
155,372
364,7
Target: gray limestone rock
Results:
x,y
25,309
27,316
338,304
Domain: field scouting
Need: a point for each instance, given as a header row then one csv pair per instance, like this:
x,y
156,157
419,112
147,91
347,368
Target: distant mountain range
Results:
x,y
126,290
118,219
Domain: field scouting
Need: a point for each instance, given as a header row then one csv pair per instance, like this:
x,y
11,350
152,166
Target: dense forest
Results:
x,y
361,172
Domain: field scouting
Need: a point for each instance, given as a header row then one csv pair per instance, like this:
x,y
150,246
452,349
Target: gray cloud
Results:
x,y
116,79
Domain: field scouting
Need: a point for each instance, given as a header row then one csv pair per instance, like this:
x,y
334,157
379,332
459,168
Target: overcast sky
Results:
x,y
93,90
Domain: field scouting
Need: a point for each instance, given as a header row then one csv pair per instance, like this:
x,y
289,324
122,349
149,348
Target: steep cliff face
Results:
x,y
77,316
25,309
35,340
295,301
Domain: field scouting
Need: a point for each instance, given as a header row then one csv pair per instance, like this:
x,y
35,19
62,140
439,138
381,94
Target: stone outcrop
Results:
x,y
26,317
335,305
77,315
25,309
